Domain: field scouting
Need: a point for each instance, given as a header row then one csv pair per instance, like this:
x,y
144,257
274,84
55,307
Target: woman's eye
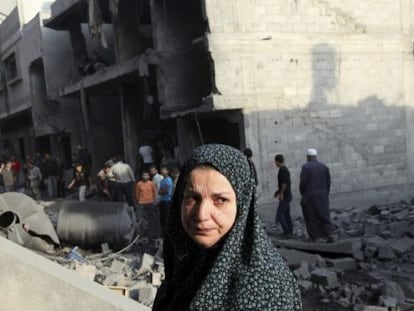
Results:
x,y
221,200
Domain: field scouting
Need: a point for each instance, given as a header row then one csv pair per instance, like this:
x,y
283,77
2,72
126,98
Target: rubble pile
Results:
x,y
369,267
133,274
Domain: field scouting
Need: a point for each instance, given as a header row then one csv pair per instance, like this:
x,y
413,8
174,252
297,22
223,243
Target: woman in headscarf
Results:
x,y
217,255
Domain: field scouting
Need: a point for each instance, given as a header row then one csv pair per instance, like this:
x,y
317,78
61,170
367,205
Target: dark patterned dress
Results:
x,y
243,271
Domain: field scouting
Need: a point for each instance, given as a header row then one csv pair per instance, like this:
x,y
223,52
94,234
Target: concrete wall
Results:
x,y
333,75
31,282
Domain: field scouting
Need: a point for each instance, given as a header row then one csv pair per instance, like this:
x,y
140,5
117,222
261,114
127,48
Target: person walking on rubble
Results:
x,y
315,184
284,195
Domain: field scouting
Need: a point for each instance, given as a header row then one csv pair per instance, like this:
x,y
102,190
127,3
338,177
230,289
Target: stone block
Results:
x,y
370,251
156,278
147,262
386,253
402,246
86,271
372,227
325,278
118,266
344,264
302,273
305,285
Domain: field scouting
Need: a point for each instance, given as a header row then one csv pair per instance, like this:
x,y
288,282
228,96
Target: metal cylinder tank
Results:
x,y
91,223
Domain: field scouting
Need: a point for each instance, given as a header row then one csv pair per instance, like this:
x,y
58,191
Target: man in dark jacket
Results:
x,y
315,184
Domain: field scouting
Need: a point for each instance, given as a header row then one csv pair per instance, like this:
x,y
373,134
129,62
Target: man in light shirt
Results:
x,y
124,180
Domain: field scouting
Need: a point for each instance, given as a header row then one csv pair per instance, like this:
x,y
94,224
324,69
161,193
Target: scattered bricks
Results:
x,y
302,272
385,253
305,285
344,264
325,277
156,278
147,263
372,227
402,246
118,266
86,271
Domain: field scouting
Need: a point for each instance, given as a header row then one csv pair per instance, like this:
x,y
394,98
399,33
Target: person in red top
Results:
x,y
16,166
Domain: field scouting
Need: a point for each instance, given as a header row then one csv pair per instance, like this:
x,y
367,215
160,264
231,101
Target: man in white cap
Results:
x,y
315,184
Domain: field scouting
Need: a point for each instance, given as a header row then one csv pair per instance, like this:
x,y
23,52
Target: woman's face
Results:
x,y
209,206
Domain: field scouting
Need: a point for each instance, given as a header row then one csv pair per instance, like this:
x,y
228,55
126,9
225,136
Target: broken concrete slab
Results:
x,y
294,258
344,264
48,286
347,247
324,277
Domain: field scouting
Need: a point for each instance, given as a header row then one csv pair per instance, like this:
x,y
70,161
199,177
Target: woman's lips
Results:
x,y
203,230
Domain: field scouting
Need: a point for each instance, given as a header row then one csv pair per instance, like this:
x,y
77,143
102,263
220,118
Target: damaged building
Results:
x,y
32,117
274,77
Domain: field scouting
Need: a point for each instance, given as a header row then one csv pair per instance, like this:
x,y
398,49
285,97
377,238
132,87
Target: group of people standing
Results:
x,y
314,187
38,173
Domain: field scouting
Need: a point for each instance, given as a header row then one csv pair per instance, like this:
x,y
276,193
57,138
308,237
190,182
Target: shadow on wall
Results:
x,y
365,145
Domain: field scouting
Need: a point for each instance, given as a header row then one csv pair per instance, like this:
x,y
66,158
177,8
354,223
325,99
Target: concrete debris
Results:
x,y
305,285
325,277
344,264
302,272
374,246
86,271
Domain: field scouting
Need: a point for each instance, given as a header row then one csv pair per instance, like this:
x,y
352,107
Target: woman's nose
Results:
x,y
203,211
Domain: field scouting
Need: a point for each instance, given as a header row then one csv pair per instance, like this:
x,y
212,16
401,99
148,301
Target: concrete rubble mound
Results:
x,y
370,266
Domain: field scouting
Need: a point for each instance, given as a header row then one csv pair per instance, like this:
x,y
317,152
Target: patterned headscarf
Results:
x,y
244,271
